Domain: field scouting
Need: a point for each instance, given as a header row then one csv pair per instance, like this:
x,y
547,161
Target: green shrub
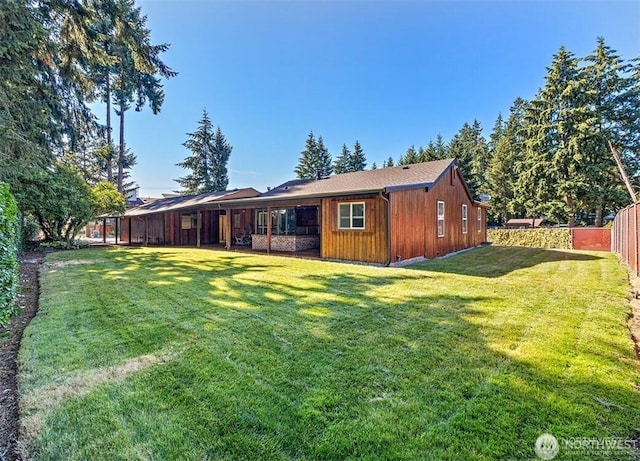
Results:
x,y
533,238
66,244
9,242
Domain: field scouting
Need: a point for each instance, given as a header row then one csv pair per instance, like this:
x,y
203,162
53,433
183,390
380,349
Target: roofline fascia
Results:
x,y
401,187
238,203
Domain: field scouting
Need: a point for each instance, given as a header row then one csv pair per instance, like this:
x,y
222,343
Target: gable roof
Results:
x,y
186,202
359,182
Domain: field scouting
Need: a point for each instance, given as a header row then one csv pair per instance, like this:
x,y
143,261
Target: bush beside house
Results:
x,y
9,243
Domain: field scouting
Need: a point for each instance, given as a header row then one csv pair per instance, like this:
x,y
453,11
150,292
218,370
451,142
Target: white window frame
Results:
x,y
262,222
479,219
440,218
351,216
465,219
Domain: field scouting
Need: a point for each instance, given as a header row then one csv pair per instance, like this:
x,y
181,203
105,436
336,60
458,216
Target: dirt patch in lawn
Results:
x,y
10,337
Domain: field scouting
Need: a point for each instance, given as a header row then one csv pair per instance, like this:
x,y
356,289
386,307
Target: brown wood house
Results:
x,y
181,220
380,216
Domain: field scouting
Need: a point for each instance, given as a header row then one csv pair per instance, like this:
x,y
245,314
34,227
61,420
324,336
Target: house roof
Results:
x,y
359,182
185,202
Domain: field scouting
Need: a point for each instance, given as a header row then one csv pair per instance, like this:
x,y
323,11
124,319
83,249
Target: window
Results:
x,y
283,221
186,222
440,218
261,222
479,219
351,215
464,218
189,221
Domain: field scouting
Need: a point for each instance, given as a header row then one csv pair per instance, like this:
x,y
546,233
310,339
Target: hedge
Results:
x,y
533,238
9,243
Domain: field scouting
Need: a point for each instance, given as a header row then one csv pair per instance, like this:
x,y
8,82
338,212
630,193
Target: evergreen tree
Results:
x,y
507,153
554,174
441,149
341,164
410,157
208,162
388,163
469,149
358,160
496,134
428,154
374,166
315,160
325,162
613,107
218,161
137,70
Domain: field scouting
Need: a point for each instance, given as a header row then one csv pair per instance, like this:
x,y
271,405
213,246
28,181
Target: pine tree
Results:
x,y
341,164
388,163
496,134
553,172
315,160
469,149
374,166
441,148
613,109
358,160
208,162
428,154
507,153
325,162
410,157
218,161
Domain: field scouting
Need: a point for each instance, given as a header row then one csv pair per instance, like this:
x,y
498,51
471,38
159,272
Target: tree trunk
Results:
x,y
572,217
109,140
599,208
121,152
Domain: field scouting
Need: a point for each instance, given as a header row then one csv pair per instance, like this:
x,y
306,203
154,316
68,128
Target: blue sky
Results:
x,y
387,73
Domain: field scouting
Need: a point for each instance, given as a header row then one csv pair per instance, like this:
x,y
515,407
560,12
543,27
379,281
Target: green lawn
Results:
x,y
169,353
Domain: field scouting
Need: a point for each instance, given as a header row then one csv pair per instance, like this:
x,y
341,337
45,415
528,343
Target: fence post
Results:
x,y
635,228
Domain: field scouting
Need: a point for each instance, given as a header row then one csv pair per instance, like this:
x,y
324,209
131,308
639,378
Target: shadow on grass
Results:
x,y
343,364
496,261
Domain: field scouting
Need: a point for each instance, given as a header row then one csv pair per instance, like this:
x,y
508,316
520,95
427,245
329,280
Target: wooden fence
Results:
x,y
624,235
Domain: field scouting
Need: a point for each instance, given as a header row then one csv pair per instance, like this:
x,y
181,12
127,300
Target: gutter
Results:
x,y
386,199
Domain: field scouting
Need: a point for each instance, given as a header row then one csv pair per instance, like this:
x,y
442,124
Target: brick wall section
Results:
x,y
290,243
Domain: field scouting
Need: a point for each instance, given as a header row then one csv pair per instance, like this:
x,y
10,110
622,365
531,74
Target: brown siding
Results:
x,y
414,220
368,245
124,230
175,235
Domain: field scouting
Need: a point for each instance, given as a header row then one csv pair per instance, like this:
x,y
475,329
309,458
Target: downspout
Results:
x,y
382,196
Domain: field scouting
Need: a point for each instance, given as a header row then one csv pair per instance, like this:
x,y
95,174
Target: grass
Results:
x,y
170,353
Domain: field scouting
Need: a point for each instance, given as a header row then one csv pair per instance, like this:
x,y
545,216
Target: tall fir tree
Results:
x,y
614,107
429,153
553,172
341,164
388,163
469,148
441,148
358,160
410,157
315,160
507,146
208,162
